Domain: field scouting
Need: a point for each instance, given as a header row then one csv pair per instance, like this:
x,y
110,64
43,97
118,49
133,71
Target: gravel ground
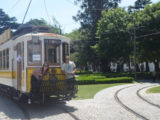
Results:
x,y
102,107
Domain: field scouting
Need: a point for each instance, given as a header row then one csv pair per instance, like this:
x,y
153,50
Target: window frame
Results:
x,y
7,58
59,53
40,63
63,53
4,59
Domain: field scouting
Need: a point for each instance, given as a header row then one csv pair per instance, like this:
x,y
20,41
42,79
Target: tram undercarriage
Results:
x,y
49,91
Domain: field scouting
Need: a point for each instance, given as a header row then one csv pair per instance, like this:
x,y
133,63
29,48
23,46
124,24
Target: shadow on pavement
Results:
x,y
9,109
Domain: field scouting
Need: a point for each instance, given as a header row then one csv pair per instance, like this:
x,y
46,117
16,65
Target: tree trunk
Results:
x,y
129,66
121,68
137,68
94,67
156,63
104,66
147,66
118,68
86,67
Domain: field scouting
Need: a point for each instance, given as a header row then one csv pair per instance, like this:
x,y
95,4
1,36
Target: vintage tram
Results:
x,y
27,50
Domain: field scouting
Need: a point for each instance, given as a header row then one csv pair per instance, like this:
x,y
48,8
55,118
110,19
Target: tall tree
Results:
x,y
142,3
88,16
6,22
114,38
148,47
138,5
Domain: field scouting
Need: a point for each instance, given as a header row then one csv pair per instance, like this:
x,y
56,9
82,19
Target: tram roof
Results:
x,y
34,30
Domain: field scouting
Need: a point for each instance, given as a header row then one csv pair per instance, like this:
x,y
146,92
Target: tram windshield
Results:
x,y
34,52
65,50
52,51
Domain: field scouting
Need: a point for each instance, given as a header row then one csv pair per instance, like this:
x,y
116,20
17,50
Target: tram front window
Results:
x,y
34,52
52,51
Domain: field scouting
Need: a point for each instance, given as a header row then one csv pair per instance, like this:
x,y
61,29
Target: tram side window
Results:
x,y
0,60
52,51
7,58
34,52
4,56
65,48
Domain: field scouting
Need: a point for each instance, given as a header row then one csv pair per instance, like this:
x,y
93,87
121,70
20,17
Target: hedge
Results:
x,y
115,80
140,75
83,72
113,77
89,80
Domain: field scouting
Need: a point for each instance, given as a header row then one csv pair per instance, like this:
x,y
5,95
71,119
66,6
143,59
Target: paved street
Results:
x,y
104,106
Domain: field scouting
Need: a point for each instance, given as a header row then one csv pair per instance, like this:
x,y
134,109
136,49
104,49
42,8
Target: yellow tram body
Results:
x,y
26,51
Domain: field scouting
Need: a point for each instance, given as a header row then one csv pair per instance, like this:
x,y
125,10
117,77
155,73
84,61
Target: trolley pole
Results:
x,y
134,42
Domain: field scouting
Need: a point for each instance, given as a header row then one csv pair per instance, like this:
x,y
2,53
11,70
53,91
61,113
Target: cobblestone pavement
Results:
x,y
102,107
9,110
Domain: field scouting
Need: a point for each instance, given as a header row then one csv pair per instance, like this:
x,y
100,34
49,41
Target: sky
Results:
x,y
61,10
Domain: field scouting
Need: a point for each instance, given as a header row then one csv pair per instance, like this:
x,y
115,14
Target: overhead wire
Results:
x,y
17,2
45,6
26,12
147,35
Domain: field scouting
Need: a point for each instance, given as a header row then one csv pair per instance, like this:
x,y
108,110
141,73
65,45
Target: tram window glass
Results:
x,y
65,49
4,66
52,51
34,52
0,60
7,58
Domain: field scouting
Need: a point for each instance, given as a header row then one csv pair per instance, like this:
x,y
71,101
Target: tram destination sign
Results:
x,y
5,36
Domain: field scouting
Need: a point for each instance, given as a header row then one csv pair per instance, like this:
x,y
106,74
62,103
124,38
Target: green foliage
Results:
x,y
93,79
140,75
148,47
88,17
114,39
83,72
80,52
88,91
36,22
6,22
115,80
105,36
138,5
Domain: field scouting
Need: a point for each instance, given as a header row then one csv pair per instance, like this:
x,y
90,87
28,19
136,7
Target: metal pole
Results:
x,y
134,40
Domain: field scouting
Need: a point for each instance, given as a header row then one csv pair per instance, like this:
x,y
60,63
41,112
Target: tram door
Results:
x,y
19,66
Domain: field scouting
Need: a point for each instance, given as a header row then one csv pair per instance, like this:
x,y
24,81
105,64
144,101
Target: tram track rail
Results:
x,y
147,101
125,106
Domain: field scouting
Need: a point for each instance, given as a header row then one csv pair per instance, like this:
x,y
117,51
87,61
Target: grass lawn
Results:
x,y
154,90
88,91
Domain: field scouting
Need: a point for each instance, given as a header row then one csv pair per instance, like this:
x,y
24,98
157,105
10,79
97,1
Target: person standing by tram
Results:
x,y
36,79
69,68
